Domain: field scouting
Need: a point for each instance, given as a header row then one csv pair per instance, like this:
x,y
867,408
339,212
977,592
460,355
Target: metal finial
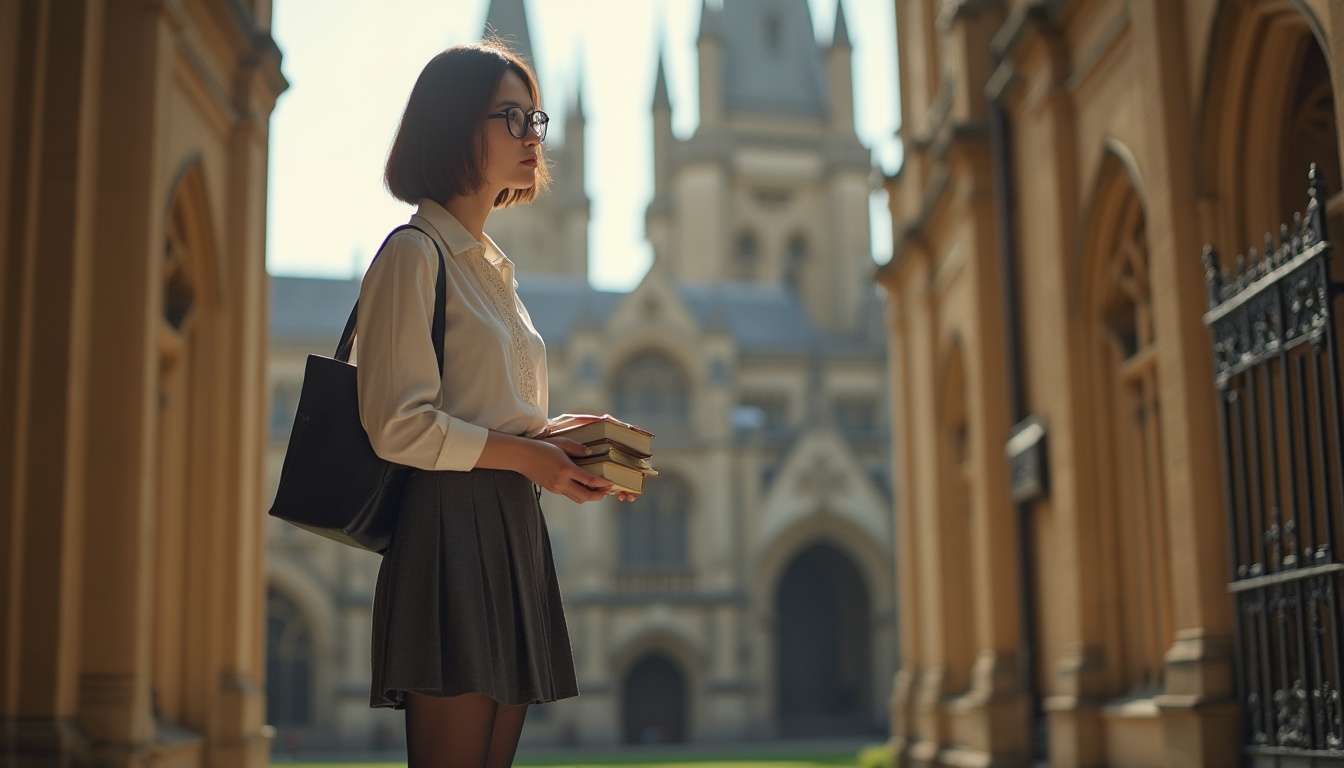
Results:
x,y
1316,195
1213,279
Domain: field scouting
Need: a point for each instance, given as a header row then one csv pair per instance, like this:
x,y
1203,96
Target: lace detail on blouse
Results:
x,y
502,298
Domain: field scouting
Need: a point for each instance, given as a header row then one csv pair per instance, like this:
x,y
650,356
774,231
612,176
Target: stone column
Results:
x,y
1197,706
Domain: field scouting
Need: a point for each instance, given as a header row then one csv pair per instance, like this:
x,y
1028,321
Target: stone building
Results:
x,y
749,593
133,154
1063,512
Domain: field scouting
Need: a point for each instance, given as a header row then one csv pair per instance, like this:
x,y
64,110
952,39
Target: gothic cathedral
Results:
x,y
749,593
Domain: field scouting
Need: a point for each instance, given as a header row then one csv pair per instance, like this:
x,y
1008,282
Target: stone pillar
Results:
x,y
49,125
115,708
1197,707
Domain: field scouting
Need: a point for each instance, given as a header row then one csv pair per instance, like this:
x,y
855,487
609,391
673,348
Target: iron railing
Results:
x,y
1276,372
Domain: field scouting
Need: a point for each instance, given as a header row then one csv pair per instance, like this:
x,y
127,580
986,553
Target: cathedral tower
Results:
x,y
550,235
772,188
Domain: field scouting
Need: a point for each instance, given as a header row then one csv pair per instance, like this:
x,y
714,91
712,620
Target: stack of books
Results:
x,y
620,452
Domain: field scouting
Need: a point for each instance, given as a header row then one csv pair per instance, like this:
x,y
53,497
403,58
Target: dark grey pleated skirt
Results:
x,y
467,599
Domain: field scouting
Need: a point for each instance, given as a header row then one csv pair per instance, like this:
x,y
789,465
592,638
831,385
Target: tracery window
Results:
x,y
653,530
1132,455
795,262
651,390
857,416
773,28
179,324
746,256
774,411
958,521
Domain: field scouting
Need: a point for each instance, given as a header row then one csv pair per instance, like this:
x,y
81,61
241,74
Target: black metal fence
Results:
x,y
1276,371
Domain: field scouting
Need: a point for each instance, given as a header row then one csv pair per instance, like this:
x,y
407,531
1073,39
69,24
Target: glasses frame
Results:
x,y
537,119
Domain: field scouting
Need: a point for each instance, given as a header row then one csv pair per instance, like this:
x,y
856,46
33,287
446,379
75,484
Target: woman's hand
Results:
x,y
547,463
573,448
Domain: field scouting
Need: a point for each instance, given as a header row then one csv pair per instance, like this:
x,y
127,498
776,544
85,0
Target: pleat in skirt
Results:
x,y
467,599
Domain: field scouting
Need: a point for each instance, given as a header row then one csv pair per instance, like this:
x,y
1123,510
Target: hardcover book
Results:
x,y
589,429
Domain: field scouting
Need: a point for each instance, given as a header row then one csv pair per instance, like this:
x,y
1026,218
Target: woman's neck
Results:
x,y
471,211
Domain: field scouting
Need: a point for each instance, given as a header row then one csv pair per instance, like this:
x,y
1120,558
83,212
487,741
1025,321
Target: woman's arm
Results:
x,y
398,370
546,463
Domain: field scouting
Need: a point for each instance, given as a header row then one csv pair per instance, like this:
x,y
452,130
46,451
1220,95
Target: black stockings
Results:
x,y
468,731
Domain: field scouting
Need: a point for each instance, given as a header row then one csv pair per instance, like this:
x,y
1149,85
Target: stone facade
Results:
x,y
133,153
1066,162
749,593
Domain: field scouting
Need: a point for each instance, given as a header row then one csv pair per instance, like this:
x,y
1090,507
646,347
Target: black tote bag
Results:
x,y
332,483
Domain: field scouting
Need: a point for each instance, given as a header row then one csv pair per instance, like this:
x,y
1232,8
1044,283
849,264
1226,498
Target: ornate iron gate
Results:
x,y
1276,371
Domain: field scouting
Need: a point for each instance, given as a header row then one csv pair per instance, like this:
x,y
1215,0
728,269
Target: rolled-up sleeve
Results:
x,y
398,374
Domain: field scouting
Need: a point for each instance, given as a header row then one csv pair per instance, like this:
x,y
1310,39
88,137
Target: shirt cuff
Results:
x,y
462,446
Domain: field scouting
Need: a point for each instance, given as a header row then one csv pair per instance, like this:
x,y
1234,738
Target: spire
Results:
x,y
710,23
773,43
576,107
575,111
660,98
841,37
508,20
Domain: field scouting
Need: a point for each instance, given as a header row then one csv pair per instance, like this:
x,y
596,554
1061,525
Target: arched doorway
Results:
x,y
822,646
655,702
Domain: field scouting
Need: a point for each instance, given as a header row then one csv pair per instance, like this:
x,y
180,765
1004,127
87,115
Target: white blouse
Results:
x,y
494,361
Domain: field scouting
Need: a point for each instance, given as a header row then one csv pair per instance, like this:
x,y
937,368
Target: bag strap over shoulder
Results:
x,y
436,328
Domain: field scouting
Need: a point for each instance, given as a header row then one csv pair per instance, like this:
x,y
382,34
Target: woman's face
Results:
x,y
510,163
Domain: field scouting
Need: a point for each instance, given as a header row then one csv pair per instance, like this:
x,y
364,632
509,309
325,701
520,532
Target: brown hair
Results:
x,y
439,150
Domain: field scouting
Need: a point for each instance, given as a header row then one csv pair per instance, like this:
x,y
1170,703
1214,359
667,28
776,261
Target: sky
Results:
x,y
351,65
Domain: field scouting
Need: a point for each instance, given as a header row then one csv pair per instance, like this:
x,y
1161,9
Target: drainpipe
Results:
x,y
1004,211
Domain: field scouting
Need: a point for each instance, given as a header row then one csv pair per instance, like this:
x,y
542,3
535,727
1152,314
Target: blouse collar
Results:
x,y
458,239
449,229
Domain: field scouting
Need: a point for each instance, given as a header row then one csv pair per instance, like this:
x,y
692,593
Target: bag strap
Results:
x,y
347,342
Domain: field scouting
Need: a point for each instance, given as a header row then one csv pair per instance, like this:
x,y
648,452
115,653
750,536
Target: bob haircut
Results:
x,y
439,150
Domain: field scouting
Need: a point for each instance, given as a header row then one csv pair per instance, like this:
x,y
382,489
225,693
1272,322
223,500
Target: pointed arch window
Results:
x,y
773,29
1308,132
746,256
178,412
651,390
653,530
1131,453
957,488
795,262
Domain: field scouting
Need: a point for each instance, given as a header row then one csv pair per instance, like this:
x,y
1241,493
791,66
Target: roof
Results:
x,y
308,308
762,318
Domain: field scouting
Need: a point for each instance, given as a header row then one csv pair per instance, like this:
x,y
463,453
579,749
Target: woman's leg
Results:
x,y
504,740
450,732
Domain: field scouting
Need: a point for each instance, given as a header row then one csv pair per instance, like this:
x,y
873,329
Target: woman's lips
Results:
x,y
530,162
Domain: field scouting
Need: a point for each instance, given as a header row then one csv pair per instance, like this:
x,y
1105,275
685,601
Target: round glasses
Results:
x,y
518,121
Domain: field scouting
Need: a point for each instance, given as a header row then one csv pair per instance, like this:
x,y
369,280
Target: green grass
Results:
x,y
873,756
663,760
649,762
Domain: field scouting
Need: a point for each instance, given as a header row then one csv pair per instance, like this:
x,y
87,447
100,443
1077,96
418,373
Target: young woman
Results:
x,y
468,626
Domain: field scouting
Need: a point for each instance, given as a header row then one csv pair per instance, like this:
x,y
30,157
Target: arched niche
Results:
x,y
1123,466
1267,112
184,532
